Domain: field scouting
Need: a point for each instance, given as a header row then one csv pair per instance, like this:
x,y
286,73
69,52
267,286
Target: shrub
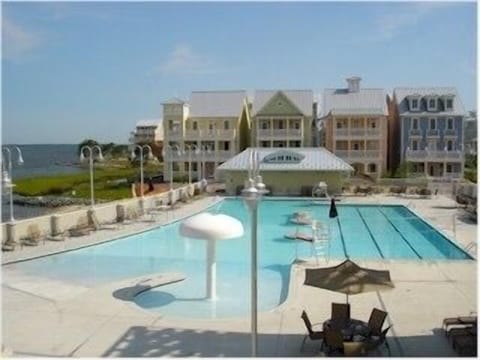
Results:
x,y
396,189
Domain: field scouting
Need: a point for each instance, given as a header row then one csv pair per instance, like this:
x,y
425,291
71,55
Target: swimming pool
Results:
x,y
359,232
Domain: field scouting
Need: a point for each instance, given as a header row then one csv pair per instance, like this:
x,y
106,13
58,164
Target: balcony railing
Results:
x,y
415,132
210,134
433,155
195,156
450,132
432,133
358,154
174,134
357,132
272,133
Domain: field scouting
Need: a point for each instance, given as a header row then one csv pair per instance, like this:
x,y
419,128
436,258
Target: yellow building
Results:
x,y
282,118
288,171
209,130
355,123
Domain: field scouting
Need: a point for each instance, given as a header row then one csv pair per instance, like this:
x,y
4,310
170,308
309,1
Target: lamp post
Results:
x,y
252,194
149,157
7,176
169,153
91,154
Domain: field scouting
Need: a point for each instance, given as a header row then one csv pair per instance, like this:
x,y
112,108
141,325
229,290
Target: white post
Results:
x,y
254,281
211,270
92,198
141,172
189,165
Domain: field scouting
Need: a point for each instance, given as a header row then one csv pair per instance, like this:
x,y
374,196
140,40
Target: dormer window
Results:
x,y
448,104
283,157
414,104
431,103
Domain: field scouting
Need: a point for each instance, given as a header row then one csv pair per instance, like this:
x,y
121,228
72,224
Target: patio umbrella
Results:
x,y
348,278
333,209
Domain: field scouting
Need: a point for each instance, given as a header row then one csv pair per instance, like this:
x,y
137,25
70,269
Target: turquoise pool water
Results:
x,y
359,232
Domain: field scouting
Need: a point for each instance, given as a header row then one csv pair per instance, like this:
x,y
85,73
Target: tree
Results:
x,y
86,142
404,170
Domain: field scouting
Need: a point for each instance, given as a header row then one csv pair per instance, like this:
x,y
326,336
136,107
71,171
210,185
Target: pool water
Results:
x,y
360,232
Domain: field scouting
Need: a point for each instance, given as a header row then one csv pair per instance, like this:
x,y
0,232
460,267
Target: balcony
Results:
x,y
433,133
194,156
175,134
450,132
271,133
349,133
358,154
416,133
433,155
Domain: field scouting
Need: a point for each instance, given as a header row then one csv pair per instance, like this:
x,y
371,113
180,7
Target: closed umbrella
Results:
x,y
333,209
349,278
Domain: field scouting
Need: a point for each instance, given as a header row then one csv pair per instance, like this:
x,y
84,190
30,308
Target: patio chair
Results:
x,y
312,334
376,320
354,348
461,331
340,312
373,342
333,342
459,320
465,345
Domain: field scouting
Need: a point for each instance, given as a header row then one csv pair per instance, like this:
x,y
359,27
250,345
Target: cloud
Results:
x,y
17,41
184,60
392,22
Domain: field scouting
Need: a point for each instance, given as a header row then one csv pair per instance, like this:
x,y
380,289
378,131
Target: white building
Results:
x,y
148,132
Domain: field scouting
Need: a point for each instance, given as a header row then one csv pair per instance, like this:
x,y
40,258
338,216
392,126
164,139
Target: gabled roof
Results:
x,y
364,102
312,159
174,100
302,99
400,94
217,103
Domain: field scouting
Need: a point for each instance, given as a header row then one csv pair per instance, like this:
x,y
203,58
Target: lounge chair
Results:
x,y
312,334
340,314
33,237
376,320
334,342
299,236
354,348
98,226
81,229
459,320
9,245
373,342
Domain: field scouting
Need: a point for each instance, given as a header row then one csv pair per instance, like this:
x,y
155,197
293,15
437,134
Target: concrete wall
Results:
x,y
57,223
288,182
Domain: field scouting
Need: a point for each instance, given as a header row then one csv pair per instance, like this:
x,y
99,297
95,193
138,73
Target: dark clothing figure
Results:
x,y
150,185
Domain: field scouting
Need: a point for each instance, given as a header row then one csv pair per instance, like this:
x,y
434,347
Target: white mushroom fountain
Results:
x,y
210,227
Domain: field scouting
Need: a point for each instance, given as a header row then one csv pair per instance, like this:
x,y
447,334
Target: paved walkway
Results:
x,y
49,318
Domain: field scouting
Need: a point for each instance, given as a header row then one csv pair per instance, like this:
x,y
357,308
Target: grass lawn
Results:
x,y
106,183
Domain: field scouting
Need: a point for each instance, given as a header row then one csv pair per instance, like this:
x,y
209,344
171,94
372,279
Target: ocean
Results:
x,y
39,160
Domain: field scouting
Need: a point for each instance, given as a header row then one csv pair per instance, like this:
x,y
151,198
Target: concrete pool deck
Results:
x,y
44,317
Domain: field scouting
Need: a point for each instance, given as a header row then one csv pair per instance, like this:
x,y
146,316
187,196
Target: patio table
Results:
x,y
351,329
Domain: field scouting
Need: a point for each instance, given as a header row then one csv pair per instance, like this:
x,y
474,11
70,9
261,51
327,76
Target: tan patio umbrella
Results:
x,y
348,278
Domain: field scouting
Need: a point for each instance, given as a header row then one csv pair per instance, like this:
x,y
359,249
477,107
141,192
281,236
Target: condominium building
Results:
x,y
211,128
282,118
355,126
428,128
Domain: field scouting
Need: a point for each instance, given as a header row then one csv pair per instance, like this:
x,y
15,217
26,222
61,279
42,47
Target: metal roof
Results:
x,y
174,100
150,123
314,159
217,103
400,94
302,99
363,102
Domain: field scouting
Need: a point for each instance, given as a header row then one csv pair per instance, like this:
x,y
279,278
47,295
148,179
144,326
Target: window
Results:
x,y
450,123
339,125
295,143
373,124
297,125
414,145
194,166
414,104
283,156
194,125
185,166
264,144
449,145
227,145
433,124
432,104
264,125
355,146
170,124
415,124
280,124
210,126
449,104
372,168
226,125
449,168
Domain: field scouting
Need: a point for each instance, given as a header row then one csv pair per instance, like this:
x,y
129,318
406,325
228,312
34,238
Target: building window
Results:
x,y
227,145
372,168
296,125
280,124
433,124
295,143
432,104
414,104
355,146
415,124
226,125
449,145
414,145
175,166
339,125
210,126
264,144
449,104
450,123
449,168
373,124
264,125
194,166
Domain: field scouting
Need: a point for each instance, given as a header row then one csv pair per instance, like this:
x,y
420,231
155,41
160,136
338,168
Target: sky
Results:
x,y
72,71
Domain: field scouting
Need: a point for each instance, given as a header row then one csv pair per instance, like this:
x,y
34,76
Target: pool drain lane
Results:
x,y
370,233
341,237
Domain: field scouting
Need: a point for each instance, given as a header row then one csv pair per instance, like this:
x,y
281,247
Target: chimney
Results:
x,y
354,84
